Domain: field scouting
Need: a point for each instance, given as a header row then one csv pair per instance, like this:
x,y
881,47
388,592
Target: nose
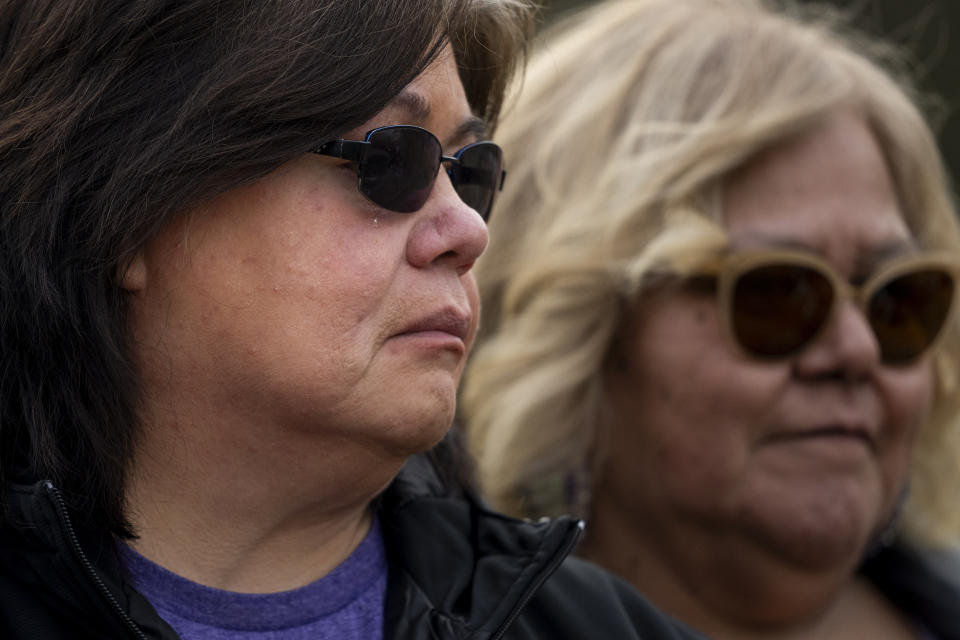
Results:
x,y
847,347
447,231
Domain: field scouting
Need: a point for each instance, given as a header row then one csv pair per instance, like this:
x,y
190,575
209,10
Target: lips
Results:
x,y
451,321
838,432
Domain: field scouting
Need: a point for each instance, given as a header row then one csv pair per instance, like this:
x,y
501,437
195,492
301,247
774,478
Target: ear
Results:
x,y
133,278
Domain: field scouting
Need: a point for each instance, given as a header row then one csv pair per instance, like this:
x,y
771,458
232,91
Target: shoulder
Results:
x,y
581,600
921,583
459,569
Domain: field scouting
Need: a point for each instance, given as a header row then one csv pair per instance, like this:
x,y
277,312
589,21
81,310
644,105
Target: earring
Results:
x,y
558,493
886,535
577,494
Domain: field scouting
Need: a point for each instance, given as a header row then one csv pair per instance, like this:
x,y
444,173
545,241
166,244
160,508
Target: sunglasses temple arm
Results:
x,y
353,150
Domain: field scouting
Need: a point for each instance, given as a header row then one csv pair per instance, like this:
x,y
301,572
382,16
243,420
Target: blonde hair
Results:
x,y
631,116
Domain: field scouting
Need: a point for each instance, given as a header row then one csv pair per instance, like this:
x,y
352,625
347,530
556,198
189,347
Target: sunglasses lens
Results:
x,y
908,313
477,176
776,309
400,168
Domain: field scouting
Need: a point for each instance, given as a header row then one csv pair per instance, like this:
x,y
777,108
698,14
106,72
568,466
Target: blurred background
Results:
x,y
928,29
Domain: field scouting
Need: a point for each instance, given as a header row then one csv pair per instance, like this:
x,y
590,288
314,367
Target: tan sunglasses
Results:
x,y
776,302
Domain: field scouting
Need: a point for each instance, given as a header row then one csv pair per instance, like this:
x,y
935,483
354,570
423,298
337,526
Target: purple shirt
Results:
x,y
346,604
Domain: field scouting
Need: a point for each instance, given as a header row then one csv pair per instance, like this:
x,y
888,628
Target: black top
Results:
x,y
925,597
457,571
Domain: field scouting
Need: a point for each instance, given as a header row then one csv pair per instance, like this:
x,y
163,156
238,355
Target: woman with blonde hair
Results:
x,y
719,319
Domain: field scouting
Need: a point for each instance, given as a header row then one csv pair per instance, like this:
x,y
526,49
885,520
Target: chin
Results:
x,y
420,423
817,533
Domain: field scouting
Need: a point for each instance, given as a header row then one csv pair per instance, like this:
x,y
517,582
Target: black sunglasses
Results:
x,y
776,302
397,166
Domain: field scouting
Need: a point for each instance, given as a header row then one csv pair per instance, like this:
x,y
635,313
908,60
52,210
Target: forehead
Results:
x,y
434,100
828,190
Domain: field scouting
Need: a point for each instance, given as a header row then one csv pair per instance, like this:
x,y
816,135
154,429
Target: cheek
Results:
x,y
333,275
282,295
688,407
684,369
469,283
908,399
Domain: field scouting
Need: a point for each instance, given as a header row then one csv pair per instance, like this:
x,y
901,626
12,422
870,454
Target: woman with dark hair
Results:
x,y
236,297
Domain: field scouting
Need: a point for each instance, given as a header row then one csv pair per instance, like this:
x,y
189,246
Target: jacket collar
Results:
x,y
904,576
458,569
76,571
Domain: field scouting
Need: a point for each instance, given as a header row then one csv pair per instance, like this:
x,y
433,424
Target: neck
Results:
x,y
252,510
729,590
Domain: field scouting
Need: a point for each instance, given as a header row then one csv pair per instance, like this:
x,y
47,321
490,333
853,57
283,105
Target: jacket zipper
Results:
x,y
548,571
67,526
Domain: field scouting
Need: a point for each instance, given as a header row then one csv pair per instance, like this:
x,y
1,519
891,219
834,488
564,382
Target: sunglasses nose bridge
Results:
x,y
843,290
857,296
450,164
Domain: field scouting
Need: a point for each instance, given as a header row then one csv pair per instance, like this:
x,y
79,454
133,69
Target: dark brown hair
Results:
x,y
117,114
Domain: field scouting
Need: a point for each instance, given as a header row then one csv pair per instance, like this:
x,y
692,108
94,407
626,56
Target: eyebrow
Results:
x,y
894,249
414,104
762,240
890,249
418,109
866,262
472,129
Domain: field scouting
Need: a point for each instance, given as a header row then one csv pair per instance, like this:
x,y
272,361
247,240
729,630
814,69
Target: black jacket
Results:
x,y
457,571
906,579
